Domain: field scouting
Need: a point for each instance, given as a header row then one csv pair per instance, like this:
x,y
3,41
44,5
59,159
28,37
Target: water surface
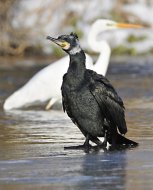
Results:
x,y
32,141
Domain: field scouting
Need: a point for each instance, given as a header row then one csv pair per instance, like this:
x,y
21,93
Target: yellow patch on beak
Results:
x,y
65,45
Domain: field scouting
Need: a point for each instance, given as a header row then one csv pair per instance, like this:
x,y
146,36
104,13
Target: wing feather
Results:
x,y
110,103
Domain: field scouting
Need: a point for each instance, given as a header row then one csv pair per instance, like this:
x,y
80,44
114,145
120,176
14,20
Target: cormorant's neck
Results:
x,y
77,63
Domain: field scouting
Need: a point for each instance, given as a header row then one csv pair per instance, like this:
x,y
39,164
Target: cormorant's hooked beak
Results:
x,y
62,43
126,25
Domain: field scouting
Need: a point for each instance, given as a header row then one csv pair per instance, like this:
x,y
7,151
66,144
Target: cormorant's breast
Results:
x,y
81,105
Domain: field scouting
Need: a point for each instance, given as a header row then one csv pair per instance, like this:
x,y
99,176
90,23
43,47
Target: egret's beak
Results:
x,y
59,42
125,25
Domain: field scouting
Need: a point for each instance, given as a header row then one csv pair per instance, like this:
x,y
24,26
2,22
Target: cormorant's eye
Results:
x,y
63,38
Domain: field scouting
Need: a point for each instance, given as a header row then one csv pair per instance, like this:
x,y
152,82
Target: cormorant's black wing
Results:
x,y
110,103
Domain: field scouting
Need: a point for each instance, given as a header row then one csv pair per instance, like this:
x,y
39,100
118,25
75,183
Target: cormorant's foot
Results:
x,y
79,147
102,146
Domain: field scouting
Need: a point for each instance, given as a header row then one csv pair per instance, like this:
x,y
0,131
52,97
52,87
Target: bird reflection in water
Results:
x,y
104,171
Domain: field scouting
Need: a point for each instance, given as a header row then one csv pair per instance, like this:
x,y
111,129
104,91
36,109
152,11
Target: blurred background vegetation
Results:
x,y
26,23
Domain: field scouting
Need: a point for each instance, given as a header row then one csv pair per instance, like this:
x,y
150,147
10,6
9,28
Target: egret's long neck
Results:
x,y
101,47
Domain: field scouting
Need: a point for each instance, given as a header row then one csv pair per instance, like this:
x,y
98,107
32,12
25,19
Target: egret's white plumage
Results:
x,y
46,84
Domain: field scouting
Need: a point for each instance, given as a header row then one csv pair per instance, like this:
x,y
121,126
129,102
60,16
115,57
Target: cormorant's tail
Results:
x,y
121,140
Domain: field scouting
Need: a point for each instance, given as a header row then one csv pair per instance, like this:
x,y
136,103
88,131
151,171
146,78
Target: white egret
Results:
x,y
46,84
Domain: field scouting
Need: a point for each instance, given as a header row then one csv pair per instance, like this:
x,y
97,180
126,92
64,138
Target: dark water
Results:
x,y
32,154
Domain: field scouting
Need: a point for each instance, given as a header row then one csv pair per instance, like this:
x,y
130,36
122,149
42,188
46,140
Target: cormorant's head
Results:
x,y
69,43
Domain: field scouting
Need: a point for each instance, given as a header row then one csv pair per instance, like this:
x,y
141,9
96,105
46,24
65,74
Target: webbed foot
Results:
x,y
85,146
79,147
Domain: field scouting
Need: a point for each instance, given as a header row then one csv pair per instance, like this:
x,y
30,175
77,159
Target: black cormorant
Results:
x,y
90,100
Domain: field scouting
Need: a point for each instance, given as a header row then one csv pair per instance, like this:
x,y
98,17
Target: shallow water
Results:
x,y
32,154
